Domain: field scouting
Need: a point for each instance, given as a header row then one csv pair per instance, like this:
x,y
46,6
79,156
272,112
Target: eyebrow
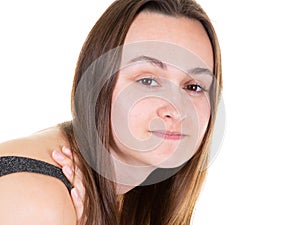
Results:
x,y
151,60
161,65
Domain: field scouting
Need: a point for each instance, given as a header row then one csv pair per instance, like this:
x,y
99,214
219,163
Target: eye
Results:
x,y
194,88
149,82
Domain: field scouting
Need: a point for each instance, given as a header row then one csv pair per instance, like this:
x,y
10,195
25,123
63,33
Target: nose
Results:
x,y
168,112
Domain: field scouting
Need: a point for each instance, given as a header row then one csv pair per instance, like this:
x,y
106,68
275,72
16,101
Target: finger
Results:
x,y
67,152
61,159
69,173
78,202
78,182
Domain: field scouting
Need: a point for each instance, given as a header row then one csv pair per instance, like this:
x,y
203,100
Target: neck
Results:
x,y
128,176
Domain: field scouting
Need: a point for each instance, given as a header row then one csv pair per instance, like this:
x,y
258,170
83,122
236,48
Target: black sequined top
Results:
x,y
16,164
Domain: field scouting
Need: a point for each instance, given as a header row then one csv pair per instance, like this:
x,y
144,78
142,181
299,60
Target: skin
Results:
x,y
34,208
34,198
187,34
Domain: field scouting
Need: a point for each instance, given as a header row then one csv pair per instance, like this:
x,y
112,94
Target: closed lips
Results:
x,y
168,134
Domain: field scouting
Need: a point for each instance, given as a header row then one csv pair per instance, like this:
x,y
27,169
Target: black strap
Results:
x,y
16,164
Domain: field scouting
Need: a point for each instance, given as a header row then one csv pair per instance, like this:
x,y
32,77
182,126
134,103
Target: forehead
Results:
x,y
162,55
187,34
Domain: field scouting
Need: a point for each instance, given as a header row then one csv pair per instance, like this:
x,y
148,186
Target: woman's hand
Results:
x,y
65,159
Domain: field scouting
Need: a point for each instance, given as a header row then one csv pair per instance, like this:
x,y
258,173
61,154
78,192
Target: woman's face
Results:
x,y
160,104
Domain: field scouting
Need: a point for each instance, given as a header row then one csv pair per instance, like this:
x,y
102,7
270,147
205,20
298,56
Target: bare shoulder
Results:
x,y
37,146
34,199
30,198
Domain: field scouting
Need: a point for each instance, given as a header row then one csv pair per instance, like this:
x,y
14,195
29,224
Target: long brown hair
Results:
x,y
170,202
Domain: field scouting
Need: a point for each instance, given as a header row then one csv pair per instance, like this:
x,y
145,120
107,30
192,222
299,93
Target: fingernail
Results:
x,y
66,150
58,155
68,171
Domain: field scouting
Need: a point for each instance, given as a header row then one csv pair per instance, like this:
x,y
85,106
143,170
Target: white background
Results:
x,y
255,178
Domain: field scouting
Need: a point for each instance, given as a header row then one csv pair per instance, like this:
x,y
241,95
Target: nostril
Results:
x,y
169,112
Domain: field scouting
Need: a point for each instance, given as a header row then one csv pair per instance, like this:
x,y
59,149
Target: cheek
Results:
x,y
203,111
139,119
204,114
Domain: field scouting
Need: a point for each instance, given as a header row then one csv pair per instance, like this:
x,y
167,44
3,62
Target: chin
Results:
x,y
171,164
169,160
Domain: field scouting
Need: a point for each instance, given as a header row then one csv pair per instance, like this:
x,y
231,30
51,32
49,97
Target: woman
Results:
x,y
144,97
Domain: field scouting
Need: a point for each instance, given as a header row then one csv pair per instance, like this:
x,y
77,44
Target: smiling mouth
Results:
x,y
168,135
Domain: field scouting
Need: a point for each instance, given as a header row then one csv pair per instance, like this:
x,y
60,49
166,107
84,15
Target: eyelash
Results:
x,y
147,81
197,86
